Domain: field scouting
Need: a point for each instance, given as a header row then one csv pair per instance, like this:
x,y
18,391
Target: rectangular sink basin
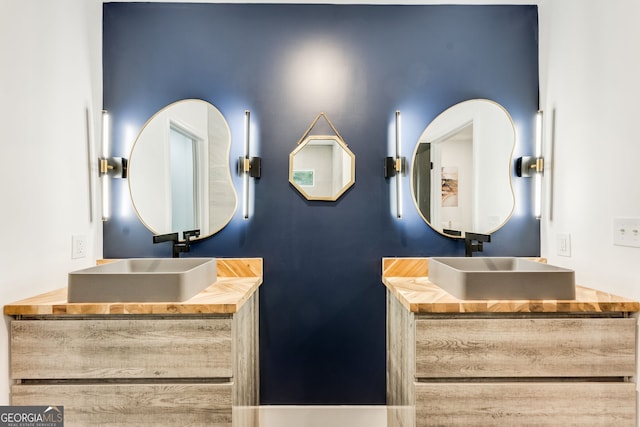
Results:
x,y
142,280
502,278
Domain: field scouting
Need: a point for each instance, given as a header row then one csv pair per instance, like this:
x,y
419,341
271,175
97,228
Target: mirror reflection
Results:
x,y
461,169
322,167
179,172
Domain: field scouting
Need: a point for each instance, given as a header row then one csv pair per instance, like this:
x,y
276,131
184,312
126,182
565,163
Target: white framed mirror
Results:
x,y
179,172
461,169
322,167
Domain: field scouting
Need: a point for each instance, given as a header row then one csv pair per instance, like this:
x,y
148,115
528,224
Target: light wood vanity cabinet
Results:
x,y
192,363
135,371
469,363
501,345
113,348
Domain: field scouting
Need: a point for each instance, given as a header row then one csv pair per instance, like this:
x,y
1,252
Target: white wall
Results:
x,y
51,73
590,77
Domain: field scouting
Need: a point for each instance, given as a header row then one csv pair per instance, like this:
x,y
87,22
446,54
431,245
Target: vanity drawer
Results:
x,y
525,347
135,405
121,348
535,403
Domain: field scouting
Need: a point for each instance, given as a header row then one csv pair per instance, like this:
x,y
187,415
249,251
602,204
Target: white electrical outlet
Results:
x,y
564,244
626,232
78,246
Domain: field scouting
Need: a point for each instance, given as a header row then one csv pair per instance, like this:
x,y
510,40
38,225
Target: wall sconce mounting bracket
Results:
x,y
528,166
252,166
394,165
115,167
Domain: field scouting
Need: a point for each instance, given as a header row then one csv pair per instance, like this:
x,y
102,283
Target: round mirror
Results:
x,y
322,167
461,170
179,173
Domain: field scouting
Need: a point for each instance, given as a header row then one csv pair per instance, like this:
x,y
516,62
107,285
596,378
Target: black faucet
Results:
x,y
171,237
470,247
177,245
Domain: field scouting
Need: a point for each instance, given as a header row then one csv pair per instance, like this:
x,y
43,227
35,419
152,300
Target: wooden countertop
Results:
x,y
407,279
238,279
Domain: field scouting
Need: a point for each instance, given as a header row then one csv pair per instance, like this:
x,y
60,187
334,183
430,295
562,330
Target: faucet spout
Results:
x,y
171,237
473,242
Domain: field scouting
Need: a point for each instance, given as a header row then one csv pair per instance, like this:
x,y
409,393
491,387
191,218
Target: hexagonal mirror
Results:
x,y
322,167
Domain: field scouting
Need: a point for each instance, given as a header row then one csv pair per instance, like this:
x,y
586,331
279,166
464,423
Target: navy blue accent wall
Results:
x,y
322,304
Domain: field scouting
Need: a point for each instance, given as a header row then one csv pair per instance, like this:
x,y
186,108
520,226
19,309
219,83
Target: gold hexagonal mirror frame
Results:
x,y
322,167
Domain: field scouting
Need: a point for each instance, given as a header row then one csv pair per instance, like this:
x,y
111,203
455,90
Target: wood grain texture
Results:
x,y
405,267
238,278
419,295
121,348
578,347
239,267
400,365
246,390
579,404
133,405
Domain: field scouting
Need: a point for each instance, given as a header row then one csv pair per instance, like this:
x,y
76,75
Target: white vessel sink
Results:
x,y
142,280
502,278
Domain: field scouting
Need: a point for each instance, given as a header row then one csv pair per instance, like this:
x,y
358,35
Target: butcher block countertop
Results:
x,y
238,279
407,279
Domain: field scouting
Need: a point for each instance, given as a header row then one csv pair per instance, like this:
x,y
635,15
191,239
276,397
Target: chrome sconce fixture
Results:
x,y
248,167
396,167
533,166
109,167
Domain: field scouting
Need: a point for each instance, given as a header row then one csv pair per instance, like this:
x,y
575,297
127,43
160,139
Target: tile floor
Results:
x,y
323,416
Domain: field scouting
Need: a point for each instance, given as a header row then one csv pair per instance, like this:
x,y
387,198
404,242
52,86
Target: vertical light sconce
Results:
x,y
396,166
248,167
108,167
533,166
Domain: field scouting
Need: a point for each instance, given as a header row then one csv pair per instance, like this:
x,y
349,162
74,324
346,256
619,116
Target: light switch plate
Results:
x,y
564,244
626,232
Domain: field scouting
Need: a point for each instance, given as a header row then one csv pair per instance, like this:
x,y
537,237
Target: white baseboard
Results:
x,y
323,416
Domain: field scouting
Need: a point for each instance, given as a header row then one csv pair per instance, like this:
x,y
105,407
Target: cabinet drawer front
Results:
x,y
121,348
575,347
133,404
518,404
